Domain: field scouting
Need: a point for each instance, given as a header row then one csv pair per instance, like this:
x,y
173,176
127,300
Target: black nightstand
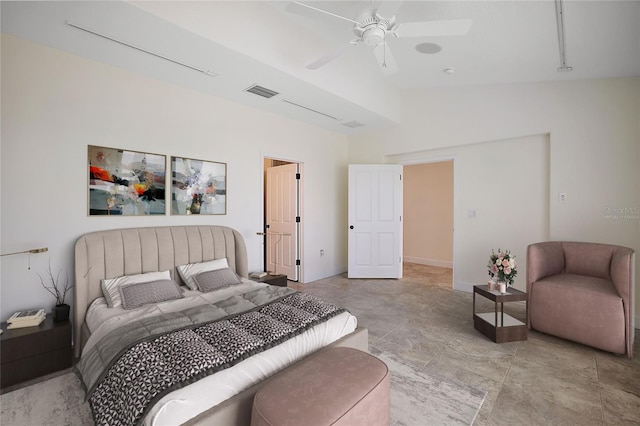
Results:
x,y
279,280
30,352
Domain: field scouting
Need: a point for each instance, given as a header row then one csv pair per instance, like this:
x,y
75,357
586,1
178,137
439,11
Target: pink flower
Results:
x,y
505,262
494,269
507,271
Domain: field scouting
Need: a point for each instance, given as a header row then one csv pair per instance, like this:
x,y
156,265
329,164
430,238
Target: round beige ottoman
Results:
x,y
336,386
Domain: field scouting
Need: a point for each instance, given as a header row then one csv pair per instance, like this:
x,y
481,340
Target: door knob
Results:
x,y
351,227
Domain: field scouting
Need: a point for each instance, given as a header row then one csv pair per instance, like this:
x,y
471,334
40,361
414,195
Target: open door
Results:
x,y
375,221
282,220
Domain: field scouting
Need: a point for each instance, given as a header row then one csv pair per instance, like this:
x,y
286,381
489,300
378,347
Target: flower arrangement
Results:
x,y
502,266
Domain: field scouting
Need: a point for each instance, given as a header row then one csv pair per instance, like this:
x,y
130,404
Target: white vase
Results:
x,y
502,287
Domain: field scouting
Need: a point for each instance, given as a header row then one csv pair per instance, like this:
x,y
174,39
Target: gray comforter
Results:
x,y
133,367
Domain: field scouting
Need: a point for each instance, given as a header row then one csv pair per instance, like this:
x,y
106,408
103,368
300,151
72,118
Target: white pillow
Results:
x,y
111,287
190,270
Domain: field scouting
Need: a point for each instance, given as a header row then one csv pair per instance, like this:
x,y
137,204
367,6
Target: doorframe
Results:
x,y
263,157
427,159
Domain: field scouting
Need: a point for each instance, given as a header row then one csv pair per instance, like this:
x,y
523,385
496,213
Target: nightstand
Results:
x,y
30,352
497,325
279,280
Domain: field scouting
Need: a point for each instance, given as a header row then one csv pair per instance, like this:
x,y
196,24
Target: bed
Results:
x,y
225,396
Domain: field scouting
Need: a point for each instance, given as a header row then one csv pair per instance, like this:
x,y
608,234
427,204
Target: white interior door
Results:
x,y
282,221
375,221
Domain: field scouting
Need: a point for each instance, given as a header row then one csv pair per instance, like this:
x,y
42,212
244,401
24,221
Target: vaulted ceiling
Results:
x,y
241,43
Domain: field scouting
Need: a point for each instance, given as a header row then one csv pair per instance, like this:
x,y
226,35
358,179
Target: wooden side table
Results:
x,y
280,280
30,352
497,325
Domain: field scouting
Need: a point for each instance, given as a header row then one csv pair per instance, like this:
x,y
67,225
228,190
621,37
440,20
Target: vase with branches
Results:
x,y
58,285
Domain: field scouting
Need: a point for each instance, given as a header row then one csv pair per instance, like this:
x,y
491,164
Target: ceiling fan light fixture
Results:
x,y
374,36
373,25
449,70
428,48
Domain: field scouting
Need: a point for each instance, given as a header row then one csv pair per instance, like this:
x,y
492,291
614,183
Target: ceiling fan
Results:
x,y
374,25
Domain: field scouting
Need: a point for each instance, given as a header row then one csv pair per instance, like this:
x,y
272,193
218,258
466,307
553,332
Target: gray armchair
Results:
x,y
582,292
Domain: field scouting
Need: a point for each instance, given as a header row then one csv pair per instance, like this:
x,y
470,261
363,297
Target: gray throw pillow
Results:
x,y
138,294
214,280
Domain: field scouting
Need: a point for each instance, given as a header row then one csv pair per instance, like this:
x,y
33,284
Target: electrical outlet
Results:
x,y
321,252
562,197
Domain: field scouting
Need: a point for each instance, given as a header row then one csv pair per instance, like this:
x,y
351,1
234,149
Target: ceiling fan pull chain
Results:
x,y
384,55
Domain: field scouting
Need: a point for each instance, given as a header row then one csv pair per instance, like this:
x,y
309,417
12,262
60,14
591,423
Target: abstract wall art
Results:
x,y
198,187
126,183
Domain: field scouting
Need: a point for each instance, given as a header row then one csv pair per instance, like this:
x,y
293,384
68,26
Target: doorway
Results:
x,y
486,218
282,220
428,222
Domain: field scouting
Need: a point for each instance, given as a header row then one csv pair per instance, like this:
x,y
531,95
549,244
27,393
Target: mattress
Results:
x,y
187,402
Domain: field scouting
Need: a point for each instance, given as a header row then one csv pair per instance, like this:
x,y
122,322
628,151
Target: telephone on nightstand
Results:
x,y
259,274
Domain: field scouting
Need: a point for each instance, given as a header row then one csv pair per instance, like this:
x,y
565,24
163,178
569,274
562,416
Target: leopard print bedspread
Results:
x,y
151,368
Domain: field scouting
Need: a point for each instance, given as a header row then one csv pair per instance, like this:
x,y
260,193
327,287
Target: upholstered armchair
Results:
x,y
582,292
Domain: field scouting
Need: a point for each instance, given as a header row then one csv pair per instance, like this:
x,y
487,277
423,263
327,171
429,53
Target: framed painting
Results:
x,y
126,183
198,187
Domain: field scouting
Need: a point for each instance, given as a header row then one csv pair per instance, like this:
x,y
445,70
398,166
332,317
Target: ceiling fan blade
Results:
x,y
327,58
309,11
389,8
385,59
451,27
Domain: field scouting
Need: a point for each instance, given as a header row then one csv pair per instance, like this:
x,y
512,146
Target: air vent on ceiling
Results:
x,y
311,109
261,91
353,124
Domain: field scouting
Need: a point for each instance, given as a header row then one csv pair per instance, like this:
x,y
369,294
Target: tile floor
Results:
x,y
541,381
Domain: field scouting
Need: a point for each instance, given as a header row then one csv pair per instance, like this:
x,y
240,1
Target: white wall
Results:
x,y
594,144
54,104
500,199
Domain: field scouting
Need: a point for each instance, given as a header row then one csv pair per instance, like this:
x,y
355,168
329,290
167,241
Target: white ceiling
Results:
x,y
249,42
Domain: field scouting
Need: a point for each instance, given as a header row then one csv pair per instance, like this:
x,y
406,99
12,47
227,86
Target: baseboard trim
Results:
x,y
462,286
325,273
429,262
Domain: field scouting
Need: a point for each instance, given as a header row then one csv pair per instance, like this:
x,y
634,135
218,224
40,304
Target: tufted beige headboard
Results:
x,y
113,253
